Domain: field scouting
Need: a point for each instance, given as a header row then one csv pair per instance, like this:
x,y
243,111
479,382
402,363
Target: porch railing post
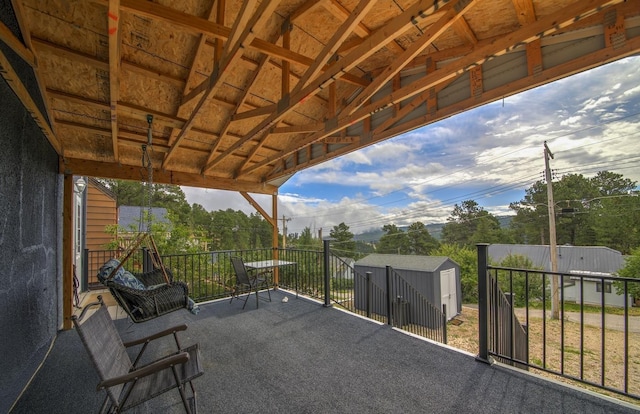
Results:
x,y
368,295
85,269
327,278
483,303
389,293
444,323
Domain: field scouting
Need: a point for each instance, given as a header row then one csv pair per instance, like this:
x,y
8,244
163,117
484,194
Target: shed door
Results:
x,y
448,292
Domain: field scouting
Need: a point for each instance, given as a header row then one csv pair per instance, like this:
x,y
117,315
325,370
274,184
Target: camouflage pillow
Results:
x,y
122,277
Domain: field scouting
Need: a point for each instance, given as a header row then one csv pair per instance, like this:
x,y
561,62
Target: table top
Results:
x,y
265,264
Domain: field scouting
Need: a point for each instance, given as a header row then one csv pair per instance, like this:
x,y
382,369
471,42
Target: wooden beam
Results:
x,y
451,12
15,83
241,34
259,208
113,18
7,36
67,251
345,30
340,12
525,11
475,82
132,172
543,27
464,30
395,27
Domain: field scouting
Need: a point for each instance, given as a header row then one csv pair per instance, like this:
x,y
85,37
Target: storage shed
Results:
x,y
437,278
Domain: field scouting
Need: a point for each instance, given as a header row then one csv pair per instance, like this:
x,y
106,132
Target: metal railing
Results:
x,y
319,274
593,340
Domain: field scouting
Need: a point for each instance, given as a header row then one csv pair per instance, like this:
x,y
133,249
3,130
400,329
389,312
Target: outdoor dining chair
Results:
x,y
125,383
248,281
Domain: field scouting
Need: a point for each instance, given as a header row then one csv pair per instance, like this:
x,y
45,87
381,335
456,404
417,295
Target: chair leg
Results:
x,y
185,401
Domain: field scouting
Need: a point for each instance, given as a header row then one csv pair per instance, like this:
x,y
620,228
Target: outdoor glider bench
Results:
x,y
128,384
145,296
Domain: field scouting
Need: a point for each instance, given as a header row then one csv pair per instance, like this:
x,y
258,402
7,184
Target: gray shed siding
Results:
x,y
426,281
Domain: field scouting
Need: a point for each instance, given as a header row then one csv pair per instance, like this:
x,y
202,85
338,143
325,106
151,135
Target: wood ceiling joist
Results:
x,y
23,24
330,48
227,124
200,48
339,11
542,27
589,61
262,62
541,78
345,30
463,30
377,40
113,18
525,11
241,35
452,12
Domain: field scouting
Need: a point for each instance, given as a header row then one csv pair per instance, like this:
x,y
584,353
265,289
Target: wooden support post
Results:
x,y
276,252
67,252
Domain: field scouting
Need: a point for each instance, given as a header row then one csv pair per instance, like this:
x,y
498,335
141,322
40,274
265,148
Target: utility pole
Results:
x,y
284,231
553,250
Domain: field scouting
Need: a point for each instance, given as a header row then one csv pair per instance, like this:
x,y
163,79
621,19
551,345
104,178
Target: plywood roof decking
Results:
x,y
245,93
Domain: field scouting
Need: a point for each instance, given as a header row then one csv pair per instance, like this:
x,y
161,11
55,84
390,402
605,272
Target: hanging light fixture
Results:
x,y
80,185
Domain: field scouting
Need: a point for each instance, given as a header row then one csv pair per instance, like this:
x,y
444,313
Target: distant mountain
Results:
x,y
374,235
434,229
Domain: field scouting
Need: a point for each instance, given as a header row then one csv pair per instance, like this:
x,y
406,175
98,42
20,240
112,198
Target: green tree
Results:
x,y
469,223
343,240
467,259
419,240
594,211
516,281
394,241
631,269
308,242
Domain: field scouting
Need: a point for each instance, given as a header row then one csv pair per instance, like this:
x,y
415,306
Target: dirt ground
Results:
x,y
586,362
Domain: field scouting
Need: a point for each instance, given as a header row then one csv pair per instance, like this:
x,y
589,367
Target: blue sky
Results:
x,y
492,154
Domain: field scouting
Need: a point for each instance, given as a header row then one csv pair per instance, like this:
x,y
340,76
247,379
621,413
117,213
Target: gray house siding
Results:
x,y
584,260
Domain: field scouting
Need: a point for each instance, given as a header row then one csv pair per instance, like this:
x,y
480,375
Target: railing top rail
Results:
x,y
576,274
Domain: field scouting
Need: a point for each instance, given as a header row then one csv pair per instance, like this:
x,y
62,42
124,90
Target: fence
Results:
x,y
583,332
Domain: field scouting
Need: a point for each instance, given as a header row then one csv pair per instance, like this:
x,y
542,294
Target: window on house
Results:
x,y
607,287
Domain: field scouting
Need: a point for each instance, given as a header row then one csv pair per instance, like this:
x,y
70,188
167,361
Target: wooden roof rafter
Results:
x,y
542,27
329,50
113,19
451,12
242,33
264,59
377,40
309,84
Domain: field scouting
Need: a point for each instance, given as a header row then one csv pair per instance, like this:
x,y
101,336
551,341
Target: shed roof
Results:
x,y
570,258
405,262
240,95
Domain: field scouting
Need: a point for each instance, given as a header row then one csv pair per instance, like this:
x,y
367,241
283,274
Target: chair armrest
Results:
x,y
152,368
156,335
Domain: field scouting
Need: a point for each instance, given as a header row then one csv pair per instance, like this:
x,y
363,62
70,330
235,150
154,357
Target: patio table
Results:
x,y
272,264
